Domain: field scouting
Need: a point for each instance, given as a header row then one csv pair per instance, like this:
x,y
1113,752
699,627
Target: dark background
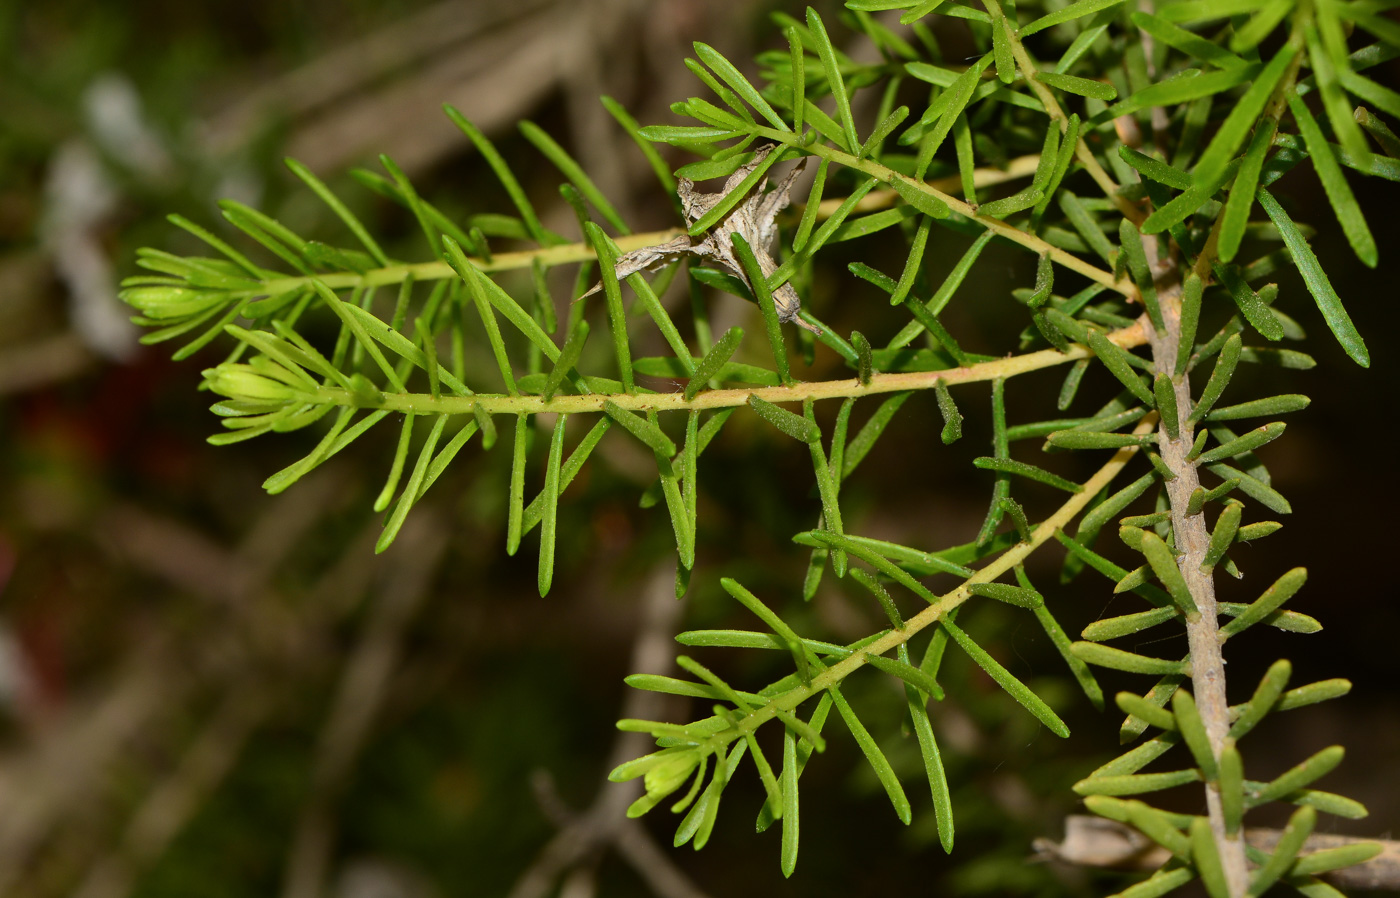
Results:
x,y
208,691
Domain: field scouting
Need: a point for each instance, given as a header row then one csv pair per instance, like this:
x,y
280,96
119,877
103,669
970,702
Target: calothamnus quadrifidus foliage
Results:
x,y
1149,140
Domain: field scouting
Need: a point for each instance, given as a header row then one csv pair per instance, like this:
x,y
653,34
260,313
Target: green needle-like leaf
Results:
x,y
908,673
1299,827
1117,659
788,860
1207,858
344,214
1135,784
1031,472
503,173
1344,204
795,426
827,53
1316,280
645,431
549,519
714,360
1163,562
736,80
1240,445
1193,732
1013,687
1284,588
1219,378
1128,624
876,758
766,305
1114,358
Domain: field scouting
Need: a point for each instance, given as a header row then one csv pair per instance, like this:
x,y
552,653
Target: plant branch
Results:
x,y
995,225
935,612
1192,541
896,382
566,253
1047,99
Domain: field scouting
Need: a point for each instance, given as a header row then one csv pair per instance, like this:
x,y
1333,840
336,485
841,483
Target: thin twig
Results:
x,y
582,836
1098,842
362,688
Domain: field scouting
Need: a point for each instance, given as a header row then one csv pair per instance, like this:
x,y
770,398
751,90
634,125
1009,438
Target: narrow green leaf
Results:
x,y
1021,200
617,316
1031,472
1011,595
1219,378
1241,199
1264,700
1135,784
1012,686
1290,842
412,489
918,195
1343,201
1193,732
550,496
1231,787
396,467
574,172
1084,87
504,303
1226,526
641,428
1240,445
1163,562
913,263
1273,405
1207,858
1082,675
883,130
1304,774
799,76
1316,280
1284,588
754,273
933,767
503,173
1127,624
1151,713
788,861
344,214
865,439
952,418
908,673
1117,659
1188,42
1068,13
568,358
1078,439
1211,166
795,426
1154,169
713,361
1254,488
1114,359
1131,242
874,756
827,53
741,85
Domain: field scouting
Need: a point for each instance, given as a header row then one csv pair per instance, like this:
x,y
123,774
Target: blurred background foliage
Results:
x,y
208,691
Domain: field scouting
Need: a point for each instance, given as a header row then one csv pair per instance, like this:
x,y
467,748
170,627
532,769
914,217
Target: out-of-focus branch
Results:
x,y
583,836
363,685
1097,842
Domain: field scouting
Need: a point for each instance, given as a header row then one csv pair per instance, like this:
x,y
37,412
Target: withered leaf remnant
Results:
x,y
754,219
